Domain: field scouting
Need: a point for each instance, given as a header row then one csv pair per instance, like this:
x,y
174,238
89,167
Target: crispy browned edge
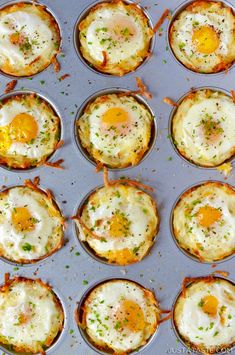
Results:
x,y
154,204
17,279
190,96
80,313
188,192
188,282
101,99
27,165
219,67
54,203
53,23
136,7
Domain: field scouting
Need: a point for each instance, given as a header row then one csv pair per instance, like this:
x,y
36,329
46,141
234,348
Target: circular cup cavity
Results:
x,y
172,114
185,252
175,14
86,246
55,110
58,339
43,258
83,333
90,99
76,41
174,327
7,4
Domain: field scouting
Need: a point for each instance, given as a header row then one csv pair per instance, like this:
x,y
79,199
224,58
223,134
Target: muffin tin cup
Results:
x,y
54,108
83,333
195,351
86,246
59,338
185,252
6,4
175,14
34,262
154,130
172,114
76,41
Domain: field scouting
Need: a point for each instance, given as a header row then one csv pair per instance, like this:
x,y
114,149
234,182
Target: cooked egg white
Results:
x,y
124,220
120,315
31,226
29,39
205,318
31,315
203,127
204,221
115,37
29,131
116,130
202,36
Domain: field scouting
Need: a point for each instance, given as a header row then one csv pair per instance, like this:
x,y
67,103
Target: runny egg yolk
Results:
x,y
210,305
208,215
130,316
119,226
23,128
206,40
115,116
22,219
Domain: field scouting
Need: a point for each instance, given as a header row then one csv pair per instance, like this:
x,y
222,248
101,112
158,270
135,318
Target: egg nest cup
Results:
x,y
31,225
127,307
202,222
30,130
28,323
131,34
199,39
213,311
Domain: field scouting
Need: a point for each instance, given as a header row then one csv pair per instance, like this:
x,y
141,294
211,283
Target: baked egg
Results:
x,y
119,316
204,315
29,131
31,225
204,221
202,36
118,223
31,315
115,37
29,39
116,130
203,128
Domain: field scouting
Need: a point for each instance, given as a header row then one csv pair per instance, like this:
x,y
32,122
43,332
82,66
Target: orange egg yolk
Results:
x,y
130,316
208,215
23,128
119,226
206,40
22,219
15,38
210,305
122,257
115,116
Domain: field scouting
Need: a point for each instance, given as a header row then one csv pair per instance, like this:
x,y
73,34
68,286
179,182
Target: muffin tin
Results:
x,y
72,271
